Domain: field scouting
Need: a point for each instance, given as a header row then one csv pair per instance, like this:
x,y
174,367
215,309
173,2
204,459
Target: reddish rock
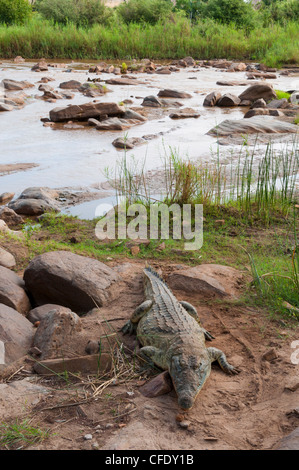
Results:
x,y
212,99
159,385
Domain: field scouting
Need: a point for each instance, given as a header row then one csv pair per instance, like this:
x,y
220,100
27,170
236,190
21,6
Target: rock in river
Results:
x,y
253,125
85,111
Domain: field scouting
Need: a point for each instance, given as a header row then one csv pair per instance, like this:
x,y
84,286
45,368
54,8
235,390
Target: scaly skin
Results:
x,y
173,339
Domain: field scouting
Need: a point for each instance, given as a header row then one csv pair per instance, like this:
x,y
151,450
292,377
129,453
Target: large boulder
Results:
x,y
56,332
71,280
208,280
16,335
259,90
253,125
35,201
85,111
12,292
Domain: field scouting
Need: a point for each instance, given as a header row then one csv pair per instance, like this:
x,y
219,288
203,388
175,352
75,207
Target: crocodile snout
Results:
x,y
185,402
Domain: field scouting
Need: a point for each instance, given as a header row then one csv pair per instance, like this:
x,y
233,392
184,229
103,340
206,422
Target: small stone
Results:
x,y
184,424
92,347
161,247
270,355
179,418
135,250
88,437
109,426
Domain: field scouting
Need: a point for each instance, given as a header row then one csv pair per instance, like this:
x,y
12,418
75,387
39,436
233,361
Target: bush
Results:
x,y
14,11
144,11
79,12
281,10
238,12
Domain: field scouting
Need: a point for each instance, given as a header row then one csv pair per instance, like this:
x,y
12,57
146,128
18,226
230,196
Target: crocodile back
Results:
x,y
167,322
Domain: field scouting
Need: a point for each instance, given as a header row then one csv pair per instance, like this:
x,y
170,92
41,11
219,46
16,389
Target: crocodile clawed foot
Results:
x,y
128,328
233,370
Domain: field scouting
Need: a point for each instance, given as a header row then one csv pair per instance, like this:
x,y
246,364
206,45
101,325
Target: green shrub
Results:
x,y
281,11
238,12
14,11
79,12
144,11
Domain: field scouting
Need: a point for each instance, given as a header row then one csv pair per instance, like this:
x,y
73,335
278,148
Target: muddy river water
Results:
x,y
77,158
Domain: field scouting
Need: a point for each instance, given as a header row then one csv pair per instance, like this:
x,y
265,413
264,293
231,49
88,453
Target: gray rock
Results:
x,y
7,259
283,103
35,201
212,99
208,280
39,313
10,216
12,291
260,103
129,144
259,90
6,107
6,197
74,281
130,114
152,102
167,93
16,334
85,111
70,85
31,206
228,100
14,85
56,328
112,124
290,442
253,125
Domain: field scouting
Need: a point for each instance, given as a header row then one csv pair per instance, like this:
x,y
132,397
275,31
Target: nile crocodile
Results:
x,y
173,339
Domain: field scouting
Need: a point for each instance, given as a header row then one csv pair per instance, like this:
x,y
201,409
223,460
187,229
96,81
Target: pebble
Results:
x,y
184,424
87,437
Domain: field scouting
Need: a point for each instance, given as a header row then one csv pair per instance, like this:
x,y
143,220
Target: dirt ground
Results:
x,y
251,410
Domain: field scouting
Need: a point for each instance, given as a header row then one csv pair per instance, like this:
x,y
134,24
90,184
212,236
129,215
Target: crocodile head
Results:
x,y
188,375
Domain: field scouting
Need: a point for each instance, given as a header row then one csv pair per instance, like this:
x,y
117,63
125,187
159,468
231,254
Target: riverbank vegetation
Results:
x,y
87,29
250,210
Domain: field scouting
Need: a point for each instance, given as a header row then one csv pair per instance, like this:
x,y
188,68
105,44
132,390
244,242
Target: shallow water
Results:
x,y
77,158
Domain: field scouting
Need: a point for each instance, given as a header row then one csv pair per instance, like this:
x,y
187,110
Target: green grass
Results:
x,y
282,94
20,434
273,45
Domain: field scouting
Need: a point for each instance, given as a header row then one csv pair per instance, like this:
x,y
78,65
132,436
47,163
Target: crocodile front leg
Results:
x,y
219,356
193,312
152,356
131,325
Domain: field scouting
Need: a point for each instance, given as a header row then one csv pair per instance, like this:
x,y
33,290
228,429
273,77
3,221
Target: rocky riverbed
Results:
x,y
188,105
